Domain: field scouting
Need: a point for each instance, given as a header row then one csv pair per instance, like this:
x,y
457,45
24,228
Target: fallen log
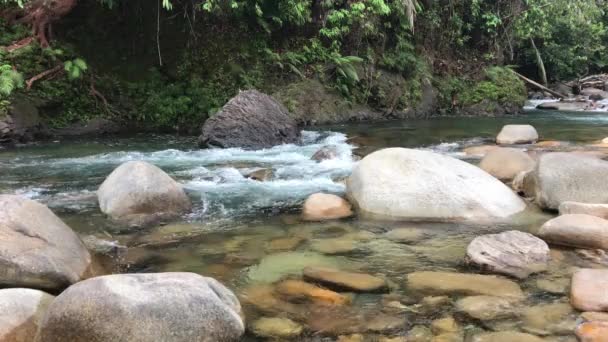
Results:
x,y
42,75
540,86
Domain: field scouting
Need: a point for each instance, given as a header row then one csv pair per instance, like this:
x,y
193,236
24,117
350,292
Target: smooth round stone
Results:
x,y
554,286
285,244
599,210
383,323
576,230
298,290
348,281
335,246
592,331
21,311
276,328
589,290
505,163
487,307
595,316
451,283
275,266
448,337
479,151
506,336
419,333
444,325
513,253
405,235
517,134
321,207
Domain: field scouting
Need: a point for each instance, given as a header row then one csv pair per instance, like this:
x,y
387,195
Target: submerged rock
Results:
x,y
395,183
588,290
261,175
592,331
336,246
37,249
517,134
345,281
276,328
250,120
450,283
505,163
275,266
444,325
298,290
513,253
570,177
144,307
138,193
549,319
487,308
479,151
576,230
405,235
21,311
325,153
506,336
599,210
321,207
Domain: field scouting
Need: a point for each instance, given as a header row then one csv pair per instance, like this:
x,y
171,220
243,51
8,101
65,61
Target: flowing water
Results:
x,y
247,233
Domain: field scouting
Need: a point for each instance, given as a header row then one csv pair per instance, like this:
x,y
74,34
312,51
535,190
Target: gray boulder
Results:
x,y
517,134
37,249
138,193
22,123
21,311
399,183
170,307
250,120
513,253
561,177
599,210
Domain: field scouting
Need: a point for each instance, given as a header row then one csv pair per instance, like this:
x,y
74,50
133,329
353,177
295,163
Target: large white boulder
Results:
x,y
37,249
399,183
21,311
570,177
517,134
138,193
172,307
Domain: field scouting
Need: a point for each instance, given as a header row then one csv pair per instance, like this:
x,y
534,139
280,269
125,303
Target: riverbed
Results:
x,y
248,234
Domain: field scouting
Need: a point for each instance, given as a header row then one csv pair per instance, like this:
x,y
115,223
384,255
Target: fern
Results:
x,y
75,68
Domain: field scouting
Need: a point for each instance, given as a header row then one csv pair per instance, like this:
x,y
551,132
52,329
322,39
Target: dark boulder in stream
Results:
x,y
37,249
250,120
171,307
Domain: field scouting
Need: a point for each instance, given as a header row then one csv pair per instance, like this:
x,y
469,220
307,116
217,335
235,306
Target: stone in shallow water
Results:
x,y
448,337
479,151
405,235
576,230
335,246
589,290
349,281
451,283
554,286
285,244
21,311
549,319
595,316
513,253
592,331
517,134
506,163
275,266
444,325
351,338
599,210
266,300
419,333
382,323
276,328
506,336
321,207
298,290
487,307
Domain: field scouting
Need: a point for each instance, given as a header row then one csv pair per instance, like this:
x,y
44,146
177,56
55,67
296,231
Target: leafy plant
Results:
x,y
75,68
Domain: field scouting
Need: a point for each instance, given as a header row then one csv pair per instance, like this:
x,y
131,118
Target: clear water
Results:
x,y
247,233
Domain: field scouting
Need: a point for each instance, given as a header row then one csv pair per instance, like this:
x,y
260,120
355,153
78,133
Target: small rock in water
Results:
x,y
462,284
554,286
349,281
448,337
351,338
419,333
506,336
549,319
285,244
479,151
276,328
321,207
549,143
592,332
517,134
591,316
444,325
505,163
513,253
486,308
325,153
275,266
576,230
589,290
335,246
383,323
298,290
599,210
523,183
405,235
261,175
597,256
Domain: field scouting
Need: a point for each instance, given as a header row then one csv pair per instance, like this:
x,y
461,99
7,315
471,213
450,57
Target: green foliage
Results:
x,y
10,80
75,68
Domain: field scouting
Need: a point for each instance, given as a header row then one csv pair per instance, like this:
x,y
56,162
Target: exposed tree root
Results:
x,y
40,14
45,74
20,44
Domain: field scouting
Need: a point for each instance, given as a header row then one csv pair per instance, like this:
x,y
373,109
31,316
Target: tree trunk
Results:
x,y
40,14
541,65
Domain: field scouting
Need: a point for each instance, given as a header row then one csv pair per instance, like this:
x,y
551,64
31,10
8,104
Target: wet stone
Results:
x,y
592,331
448,337
553,286
549,319
594,316
451,283
588,291
349,281
419,333
444,325
276,328
275,266
299,290
487,307
382,323
285,244
405,235
506,336
335,246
